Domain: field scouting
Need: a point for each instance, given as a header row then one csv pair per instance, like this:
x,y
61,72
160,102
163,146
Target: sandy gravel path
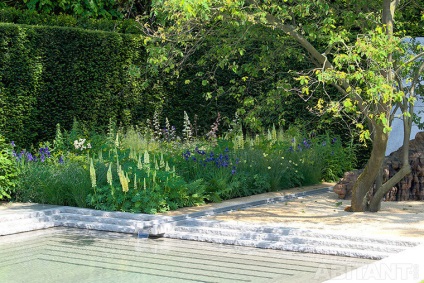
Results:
x,y
326,211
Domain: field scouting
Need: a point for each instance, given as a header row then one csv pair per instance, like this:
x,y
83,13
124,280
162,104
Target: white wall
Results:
x,y
396,135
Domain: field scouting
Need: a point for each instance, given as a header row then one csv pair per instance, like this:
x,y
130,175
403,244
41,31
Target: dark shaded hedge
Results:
x,y
28,17
51,75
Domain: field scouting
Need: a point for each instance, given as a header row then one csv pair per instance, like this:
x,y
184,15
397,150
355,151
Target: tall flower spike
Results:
x,y
117,140
144,183
109,175
156,125
124,181
139,164
167,167
92,174
274,133
146,157
135,181
118,167
162,162
100,156
167,129
187,128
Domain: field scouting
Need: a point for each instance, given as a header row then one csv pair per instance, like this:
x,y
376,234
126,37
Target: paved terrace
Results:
x,y
308,220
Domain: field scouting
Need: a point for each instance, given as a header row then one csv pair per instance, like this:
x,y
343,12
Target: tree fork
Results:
x,y
366,180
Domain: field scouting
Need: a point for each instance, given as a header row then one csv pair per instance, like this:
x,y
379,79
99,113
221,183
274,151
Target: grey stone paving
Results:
x,y
29,217
75,255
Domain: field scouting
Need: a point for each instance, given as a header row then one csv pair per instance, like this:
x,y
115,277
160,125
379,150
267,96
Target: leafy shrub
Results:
x,y
8,170
60,184
140,182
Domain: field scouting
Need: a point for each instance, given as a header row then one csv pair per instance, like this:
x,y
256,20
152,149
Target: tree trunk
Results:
x,y
364,185
382,189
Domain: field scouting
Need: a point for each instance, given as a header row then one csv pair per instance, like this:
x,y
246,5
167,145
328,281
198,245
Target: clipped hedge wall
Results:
x,y
50,75
28,17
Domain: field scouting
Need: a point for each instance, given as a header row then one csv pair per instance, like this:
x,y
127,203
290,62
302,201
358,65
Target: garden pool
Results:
x,y
74,255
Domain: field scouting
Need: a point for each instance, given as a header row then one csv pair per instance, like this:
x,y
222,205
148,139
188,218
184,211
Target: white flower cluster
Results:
x,y
79,144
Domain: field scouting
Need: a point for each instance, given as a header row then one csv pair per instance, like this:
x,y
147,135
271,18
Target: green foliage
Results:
x,y
31,17
54,183
50,75
138,183
85,8
334,158
138,173
8,170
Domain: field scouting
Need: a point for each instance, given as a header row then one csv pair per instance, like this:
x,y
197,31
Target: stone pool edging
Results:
x,y
124,222
195,226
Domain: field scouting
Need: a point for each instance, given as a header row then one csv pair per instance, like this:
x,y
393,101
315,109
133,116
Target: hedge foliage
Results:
x,y
51,75
31,17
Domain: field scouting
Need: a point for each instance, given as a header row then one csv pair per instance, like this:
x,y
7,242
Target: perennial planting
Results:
x,y
152,169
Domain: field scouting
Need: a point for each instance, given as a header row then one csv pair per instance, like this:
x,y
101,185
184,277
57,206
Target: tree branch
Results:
x,y
409,61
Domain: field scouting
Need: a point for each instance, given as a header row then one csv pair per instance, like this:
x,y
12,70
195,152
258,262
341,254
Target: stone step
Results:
x,y
254,228
26,224
157,219
309,248
96,226
289,239
135,224
28,215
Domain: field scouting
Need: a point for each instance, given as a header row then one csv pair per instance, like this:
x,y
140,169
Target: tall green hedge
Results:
x,y
50,75
30,17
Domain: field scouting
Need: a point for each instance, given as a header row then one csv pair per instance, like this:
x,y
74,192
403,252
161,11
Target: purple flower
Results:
x,y
22,153
12,143
61,161
333,141
30,157
187,155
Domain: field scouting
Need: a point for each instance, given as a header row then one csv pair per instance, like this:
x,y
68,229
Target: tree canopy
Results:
x,y
356,47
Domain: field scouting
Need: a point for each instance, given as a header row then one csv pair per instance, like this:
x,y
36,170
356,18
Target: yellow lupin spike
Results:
x,y
124,181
